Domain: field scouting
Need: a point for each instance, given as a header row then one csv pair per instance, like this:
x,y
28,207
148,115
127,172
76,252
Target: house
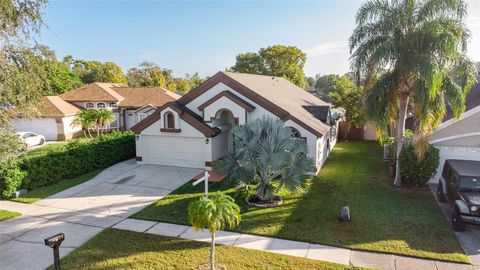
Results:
x,y
459,138
129,106
54,121
122,100
196,129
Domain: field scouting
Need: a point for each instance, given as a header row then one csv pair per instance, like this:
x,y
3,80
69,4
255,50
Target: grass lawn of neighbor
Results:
x,y
43,192
384,219
118,249
4,215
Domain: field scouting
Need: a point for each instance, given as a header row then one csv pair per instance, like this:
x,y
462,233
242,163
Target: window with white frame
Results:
x,y
89,105
101,105
115,122
169,121
112,105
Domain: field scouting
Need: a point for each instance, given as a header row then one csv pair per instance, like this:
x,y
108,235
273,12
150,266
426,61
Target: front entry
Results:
x,y
225,121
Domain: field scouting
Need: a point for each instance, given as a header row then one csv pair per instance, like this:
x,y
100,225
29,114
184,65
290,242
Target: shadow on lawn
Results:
x,y
383,219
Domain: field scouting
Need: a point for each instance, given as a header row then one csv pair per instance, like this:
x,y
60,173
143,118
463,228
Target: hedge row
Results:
x,y
77,157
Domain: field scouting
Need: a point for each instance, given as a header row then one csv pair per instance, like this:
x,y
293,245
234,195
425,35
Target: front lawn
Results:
x,y
4,215
384,219
43,192
118,249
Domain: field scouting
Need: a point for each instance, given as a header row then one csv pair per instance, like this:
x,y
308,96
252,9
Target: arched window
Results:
x,y
112,105
101,105
295,133
89,105
169,120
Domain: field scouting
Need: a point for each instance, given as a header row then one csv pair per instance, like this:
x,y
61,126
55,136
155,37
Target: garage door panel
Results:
x,y
43,126
173,151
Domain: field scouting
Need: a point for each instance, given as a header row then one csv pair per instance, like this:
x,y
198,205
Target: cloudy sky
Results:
x,y
205,36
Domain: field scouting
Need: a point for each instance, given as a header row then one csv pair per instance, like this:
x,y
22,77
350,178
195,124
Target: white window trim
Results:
x,y
105,105
114,105
86,107
117,121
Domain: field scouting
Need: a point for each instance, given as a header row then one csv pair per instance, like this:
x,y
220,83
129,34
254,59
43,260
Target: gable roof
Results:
x,y
141,96
242,103
185,114
56,106
279,96
93,92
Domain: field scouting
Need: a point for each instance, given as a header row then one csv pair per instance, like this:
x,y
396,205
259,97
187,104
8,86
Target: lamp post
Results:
x,y
54,242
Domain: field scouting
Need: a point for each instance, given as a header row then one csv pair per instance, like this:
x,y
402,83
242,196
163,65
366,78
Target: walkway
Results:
x,y
292,248
83,211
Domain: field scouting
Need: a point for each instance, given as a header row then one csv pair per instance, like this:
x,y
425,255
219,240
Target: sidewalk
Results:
x,y
293,248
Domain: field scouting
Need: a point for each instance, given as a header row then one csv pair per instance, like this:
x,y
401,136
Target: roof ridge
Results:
x,y
107,87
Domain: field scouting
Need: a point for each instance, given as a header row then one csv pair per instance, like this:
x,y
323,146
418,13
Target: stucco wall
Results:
x,y
224,103
69,130
469,124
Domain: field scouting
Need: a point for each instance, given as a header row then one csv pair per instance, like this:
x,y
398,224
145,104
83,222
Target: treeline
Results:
x,y
60,76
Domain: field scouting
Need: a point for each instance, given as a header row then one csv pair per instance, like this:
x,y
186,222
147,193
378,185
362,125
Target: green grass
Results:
x,y
4,215
118,249
43,192
40,151
384,219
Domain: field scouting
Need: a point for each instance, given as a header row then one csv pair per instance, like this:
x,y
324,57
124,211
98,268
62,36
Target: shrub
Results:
x,y
11,178
77,157
415,171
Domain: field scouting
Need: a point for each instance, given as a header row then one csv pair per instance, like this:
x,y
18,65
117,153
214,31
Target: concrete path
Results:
x,y
468,239
293,248
83,211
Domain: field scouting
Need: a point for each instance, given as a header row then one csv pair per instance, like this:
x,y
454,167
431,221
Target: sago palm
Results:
x,y
266,153
411,54
214,213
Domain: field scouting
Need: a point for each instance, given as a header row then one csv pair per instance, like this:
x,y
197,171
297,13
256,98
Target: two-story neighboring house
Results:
x,y
129,106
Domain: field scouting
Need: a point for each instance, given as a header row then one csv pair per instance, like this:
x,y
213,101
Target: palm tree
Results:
x,y
104,118
214,213
266,153
86,120
411,54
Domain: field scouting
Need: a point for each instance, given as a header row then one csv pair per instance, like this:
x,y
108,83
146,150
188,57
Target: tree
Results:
x,y
104,117
19,18
348,96
148,74
86,120
324,85
265,153
278,60
214,213
311,81
95,71
412,54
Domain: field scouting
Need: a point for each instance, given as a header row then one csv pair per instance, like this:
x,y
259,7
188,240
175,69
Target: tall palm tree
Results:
x,y
86,120
266,153
214,213
411,54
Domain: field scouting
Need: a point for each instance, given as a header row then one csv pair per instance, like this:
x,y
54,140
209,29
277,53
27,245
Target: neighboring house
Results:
x,y
197,129
459,138
54,121
129,106
122,100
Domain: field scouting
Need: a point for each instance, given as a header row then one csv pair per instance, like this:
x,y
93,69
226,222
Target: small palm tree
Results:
x,y
266,153
86,120
104,118
411,54
214,213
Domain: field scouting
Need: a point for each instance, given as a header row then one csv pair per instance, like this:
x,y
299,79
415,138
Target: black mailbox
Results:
x,y
54,242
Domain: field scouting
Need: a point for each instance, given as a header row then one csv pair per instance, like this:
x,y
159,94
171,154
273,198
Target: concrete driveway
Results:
x,y
468,239
83,211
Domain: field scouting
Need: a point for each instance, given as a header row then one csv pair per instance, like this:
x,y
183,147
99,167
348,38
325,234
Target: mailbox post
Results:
x,y
54,242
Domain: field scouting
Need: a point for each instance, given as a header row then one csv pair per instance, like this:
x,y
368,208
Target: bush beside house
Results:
x,y
77,157
417,171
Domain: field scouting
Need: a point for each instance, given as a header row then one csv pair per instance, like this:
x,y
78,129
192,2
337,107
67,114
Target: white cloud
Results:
x,y
327,48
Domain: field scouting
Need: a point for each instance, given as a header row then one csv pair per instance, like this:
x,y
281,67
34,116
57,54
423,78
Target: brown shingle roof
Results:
x,y
285,95
93,92
141,96
55,106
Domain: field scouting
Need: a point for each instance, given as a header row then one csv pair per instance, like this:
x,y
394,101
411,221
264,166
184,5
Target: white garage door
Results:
x,y
44,126
173,151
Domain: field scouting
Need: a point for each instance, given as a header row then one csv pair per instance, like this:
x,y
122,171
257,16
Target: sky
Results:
x,y
205,36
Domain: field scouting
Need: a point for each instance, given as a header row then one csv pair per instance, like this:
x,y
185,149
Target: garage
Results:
x,y
173,151
44,126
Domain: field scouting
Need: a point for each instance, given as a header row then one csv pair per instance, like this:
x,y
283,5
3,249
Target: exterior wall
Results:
x,y
68,131
455,152
370,132
43,126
